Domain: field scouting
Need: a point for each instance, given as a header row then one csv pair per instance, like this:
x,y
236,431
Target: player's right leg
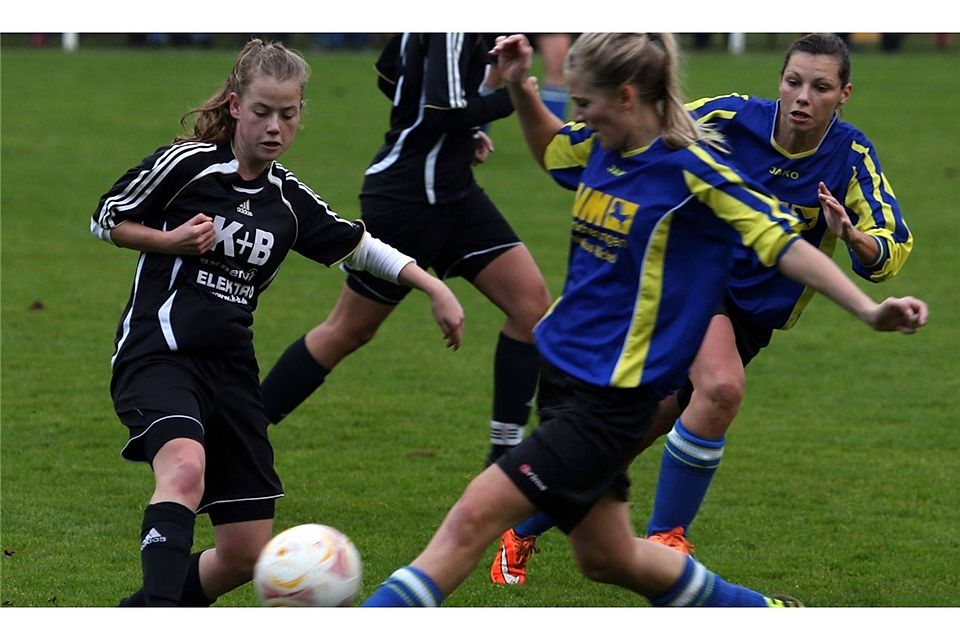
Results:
x,y
158,402
488,505
305,364
169,519
513,282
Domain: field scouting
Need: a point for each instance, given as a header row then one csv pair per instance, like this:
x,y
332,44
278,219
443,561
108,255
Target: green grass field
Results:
x,y
841,483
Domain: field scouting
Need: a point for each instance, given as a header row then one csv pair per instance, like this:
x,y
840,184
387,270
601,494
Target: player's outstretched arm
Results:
x,y
443,303
194,237
382,260
514,57
810,266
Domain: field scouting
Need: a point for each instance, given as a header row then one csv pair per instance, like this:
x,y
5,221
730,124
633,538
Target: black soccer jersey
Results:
x,y
433,80
204,304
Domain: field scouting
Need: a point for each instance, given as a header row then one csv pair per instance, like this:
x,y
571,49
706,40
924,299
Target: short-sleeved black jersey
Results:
x,y
204,304
433,80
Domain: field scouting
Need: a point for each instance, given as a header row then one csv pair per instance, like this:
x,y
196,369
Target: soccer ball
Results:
x,y
310,565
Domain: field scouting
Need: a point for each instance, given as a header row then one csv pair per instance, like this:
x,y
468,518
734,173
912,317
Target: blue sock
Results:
x,y
700,587
556,99
407,587
686,471
535,525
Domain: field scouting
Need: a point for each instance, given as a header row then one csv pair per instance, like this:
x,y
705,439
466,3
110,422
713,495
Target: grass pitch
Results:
x,y
840,484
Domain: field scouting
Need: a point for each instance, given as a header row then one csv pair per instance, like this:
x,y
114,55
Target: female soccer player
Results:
x,y
420,195
656,216
214,214
797,148
802,152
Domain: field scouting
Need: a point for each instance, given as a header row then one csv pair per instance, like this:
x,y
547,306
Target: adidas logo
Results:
x,y
152,536
244,208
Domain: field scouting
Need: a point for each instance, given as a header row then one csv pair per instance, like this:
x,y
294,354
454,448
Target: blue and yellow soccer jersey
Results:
x,y
652,241
845,161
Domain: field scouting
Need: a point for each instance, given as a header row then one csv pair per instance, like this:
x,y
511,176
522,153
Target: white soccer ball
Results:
x,y
310,565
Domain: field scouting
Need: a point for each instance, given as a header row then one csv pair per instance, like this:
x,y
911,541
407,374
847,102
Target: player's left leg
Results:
x,y
229,564
513,282
488,505
694,447
306,363
553,49
607,550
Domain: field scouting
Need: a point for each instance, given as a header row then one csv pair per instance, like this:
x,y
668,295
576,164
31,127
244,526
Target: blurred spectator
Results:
x,y
340,41
943,40
891,41
702,41
204,40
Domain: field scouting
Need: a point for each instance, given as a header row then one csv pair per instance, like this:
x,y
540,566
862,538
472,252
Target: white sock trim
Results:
x,y
413,582
506,433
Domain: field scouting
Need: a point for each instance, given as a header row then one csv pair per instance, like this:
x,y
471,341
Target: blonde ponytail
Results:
x,y
650,62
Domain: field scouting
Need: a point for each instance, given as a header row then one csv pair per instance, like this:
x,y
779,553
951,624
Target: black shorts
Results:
x,y
454,239
750,338
587,437
216,402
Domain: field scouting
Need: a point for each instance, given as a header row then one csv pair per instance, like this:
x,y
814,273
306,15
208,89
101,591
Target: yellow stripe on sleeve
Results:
x,y
857,202
562,153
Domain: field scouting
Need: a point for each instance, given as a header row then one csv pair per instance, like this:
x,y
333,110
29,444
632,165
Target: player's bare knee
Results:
x,y
336,341
465,522
527,312
724,395
179,474
537,304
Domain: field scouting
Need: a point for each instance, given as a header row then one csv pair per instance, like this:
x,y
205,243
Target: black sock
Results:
x,y
193,595
516,368
167,535
291,381
497,450
136,599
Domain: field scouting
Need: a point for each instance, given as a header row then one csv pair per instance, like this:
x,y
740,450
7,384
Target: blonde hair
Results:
x,y
212,121
648,61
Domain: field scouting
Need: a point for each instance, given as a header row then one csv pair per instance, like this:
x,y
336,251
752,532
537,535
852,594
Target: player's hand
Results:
x,y
483,148
514,56
835,214
905,315
448,313
194,237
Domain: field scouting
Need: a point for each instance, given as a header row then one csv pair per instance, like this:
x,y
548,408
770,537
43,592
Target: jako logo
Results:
x,y
528,472
789,173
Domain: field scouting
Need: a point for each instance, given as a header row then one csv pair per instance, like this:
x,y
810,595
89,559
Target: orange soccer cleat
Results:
x,y
510,564
675,539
